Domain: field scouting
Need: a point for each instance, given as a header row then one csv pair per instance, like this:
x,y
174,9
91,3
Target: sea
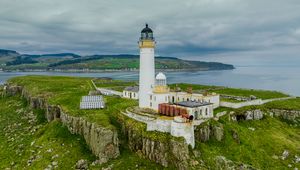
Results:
x,y
283,78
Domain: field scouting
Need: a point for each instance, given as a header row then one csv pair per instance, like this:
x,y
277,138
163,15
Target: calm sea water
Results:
x,y
285,79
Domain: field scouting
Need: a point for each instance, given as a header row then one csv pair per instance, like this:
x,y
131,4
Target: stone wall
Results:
x,y
102,141
241,104
251,102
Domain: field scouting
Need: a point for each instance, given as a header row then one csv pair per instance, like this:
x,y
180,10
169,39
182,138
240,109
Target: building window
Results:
x,y
150,97
206,111
196,115
150,104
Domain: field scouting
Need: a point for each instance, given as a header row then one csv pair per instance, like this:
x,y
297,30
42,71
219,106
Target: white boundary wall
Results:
x,y
251,103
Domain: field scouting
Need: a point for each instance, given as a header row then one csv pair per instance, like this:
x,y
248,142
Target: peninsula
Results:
x,y
13,61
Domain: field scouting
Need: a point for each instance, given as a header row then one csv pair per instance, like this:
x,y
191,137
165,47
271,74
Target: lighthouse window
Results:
x,y
150,97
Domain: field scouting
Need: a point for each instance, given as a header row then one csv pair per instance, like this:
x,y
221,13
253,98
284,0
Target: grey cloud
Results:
x,y
181,28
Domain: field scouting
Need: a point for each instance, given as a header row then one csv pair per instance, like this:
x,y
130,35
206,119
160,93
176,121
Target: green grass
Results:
x,y
117,85
256,148
291,104
49,136
67,92
15,153
262,94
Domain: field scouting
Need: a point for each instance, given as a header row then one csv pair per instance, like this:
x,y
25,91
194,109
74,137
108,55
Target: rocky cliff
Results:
x,y
207,131
291,115
169,151
103,142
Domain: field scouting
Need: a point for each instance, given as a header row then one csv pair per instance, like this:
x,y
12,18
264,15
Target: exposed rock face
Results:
x,y
206,132
81,165
248,115
235,136
292,115
254,114
102,141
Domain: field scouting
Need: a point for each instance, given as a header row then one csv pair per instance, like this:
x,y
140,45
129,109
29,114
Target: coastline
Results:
x,y
105,70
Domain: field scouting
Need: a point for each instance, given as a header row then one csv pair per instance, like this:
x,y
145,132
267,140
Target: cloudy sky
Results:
x,y
189,28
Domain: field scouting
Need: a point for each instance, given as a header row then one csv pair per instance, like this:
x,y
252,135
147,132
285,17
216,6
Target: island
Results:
x,y
61,135
14,61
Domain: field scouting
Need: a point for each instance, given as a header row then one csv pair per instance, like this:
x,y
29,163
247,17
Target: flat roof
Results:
x,y
193,103
132,89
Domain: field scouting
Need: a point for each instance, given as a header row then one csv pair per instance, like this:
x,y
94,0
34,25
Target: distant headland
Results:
x,y
13,61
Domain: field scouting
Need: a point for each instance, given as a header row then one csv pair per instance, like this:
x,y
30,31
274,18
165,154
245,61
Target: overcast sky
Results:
x,y
185,28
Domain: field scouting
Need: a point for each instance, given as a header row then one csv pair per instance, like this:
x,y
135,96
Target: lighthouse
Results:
x,y
147,67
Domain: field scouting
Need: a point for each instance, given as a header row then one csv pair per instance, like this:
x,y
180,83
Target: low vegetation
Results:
x,y
259,143
43,144
262,94
47,145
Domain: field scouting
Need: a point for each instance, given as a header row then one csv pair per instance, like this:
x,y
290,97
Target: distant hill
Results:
x,y
8,53
12,60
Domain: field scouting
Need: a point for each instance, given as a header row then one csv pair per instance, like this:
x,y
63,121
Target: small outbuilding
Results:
x,y
131,92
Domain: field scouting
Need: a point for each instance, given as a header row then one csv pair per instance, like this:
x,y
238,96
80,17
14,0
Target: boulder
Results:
x,y
235,136
218,132
81,164
285,154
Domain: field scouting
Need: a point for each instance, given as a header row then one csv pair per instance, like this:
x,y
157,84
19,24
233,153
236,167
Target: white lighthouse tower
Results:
x,y
147,67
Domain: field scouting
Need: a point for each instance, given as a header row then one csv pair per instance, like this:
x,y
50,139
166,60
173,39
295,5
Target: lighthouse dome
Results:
x,y
160,79
160,76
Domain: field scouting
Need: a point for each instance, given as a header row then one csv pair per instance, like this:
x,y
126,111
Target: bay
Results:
x,y
284,78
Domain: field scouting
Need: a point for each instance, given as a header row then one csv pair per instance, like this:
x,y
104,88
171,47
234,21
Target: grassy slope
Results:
x,y
15,153
257,147
69,148
270,137
67,92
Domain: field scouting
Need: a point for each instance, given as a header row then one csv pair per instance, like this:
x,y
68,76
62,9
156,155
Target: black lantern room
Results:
x,y
147,33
